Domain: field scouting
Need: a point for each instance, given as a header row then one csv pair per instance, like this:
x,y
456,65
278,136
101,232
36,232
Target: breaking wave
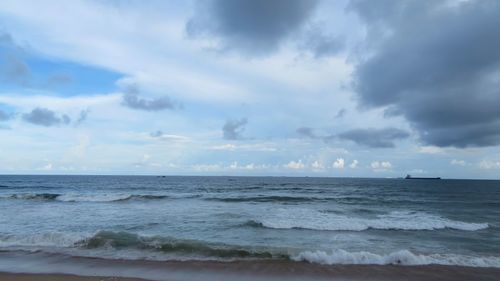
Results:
x,y
83,197
316,220
273,198
112,241
403,257
184,249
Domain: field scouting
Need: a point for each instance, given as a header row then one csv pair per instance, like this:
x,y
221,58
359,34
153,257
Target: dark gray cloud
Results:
x,y
435,65
375,138
232,129
253,27
45,117
132,99
306,132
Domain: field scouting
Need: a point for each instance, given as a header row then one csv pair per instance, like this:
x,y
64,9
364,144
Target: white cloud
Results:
x,y
381,165
47,167
458,162
229,146
354,164
489,165
317,166
262,147
338,164
430,150
295,165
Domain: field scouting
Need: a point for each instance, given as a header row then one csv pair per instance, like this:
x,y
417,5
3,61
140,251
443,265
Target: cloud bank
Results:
x,y
435,64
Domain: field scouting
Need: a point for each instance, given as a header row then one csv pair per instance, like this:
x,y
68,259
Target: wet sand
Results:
x,y
56,267
59,277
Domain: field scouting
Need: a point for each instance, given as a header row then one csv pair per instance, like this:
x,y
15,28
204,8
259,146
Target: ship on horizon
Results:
x,y
409,177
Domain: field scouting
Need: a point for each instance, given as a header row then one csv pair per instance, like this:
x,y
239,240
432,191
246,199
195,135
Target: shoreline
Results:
x,y
6,276
25,266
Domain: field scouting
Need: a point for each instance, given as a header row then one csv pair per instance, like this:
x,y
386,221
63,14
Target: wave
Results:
x,y
122,240
316,220
403,257
107,197
273,198
184,249
84,197
119,240
53,239
36,196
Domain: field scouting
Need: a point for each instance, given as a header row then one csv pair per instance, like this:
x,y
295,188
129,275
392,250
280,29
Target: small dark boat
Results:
x,y
409,177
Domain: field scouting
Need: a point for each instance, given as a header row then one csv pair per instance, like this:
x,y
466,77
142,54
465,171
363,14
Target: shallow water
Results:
x,y
321,220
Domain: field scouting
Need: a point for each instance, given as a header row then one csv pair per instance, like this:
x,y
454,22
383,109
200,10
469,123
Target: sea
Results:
x,y
330,221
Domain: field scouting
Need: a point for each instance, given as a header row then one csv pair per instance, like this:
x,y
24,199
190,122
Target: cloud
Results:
x,y
354,164
489,165
251,27
4,116
381,166
166,137
47,167
131,99
338,164
45,117
257,147
295,165
306,132
457,162
13,68
340,113
82,117
443,81
317,166
232,129
321,45
375,138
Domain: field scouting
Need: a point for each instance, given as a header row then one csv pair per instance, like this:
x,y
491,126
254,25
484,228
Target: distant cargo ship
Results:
x,y
409,177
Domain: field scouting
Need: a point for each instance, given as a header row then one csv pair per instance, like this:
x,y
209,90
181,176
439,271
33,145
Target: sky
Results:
x,y
330,88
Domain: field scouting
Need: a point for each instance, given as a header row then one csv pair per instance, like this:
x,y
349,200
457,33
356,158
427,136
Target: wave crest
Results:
x,y
84,197
120,240
403,257
316,220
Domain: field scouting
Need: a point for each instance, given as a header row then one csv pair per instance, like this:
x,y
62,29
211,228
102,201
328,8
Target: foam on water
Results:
x,y
53,239
403,257
316,220
73,197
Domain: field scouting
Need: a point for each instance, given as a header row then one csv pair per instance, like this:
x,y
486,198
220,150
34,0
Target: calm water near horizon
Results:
x,y
320,220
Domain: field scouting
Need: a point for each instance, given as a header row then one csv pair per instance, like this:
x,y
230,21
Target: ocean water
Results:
x,y
319,220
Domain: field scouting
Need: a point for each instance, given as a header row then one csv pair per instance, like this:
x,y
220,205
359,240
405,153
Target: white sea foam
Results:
x,y
403,257
316,220
55,239
92,197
